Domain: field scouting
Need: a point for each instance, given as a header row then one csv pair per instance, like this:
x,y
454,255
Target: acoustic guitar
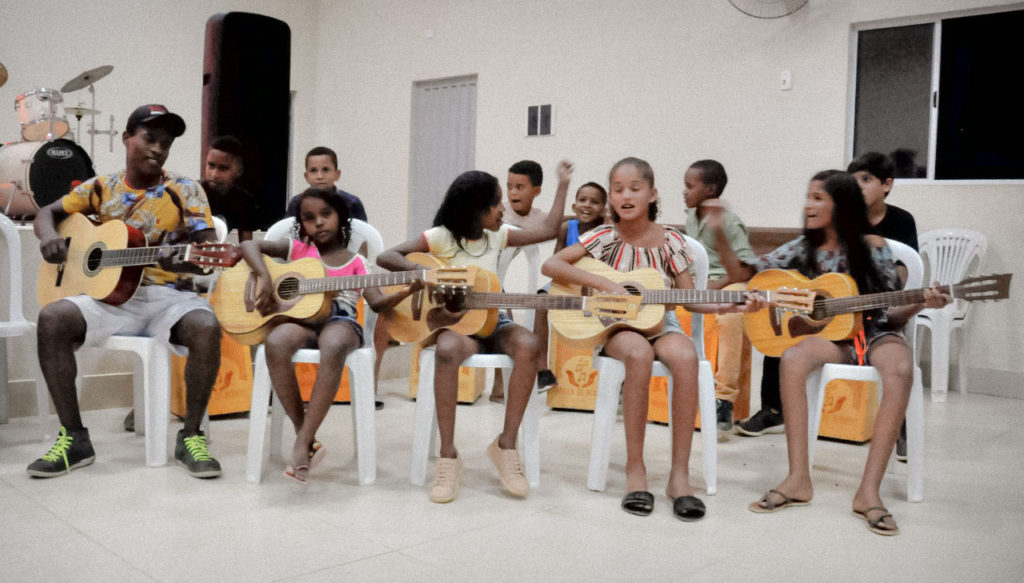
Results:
x,y
478,291
836,311
302,291
649,286
105,261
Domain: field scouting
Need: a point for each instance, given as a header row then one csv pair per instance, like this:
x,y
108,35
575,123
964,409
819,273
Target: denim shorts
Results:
x,y
341,314
669,325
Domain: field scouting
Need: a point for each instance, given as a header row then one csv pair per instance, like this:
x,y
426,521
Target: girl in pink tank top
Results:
x,y
324,229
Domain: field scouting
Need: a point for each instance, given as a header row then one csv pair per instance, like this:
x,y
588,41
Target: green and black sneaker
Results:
x,y
72,451
192,454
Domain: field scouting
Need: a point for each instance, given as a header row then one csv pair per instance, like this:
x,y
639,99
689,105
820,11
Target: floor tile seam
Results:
x,y
305,574
98,542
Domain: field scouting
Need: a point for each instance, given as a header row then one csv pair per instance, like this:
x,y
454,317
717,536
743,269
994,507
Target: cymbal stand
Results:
x,y
92,131
53,113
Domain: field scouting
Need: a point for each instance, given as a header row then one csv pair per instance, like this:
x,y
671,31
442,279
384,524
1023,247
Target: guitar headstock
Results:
x,y
451,276
622,307
213,254
791,299
983,287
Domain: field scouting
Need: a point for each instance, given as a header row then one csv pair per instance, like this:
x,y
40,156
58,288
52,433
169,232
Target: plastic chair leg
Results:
x,y
426,420
154,382
3,380
961,360
261,390
529,435
360,371
709,429
940,357
815,401
610,373
915,444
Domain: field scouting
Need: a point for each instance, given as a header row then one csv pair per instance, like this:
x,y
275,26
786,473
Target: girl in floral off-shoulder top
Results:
x,y
635,240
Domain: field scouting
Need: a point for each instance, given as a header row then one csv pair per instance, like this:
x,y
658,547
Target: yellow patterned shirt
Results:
x,y
164,213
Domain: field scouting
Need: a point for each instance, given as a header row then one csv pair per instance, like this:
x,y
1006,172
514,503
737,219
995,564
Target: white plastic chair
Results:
x,y
817,382
282,229
611,373
222,229
532,255
949,255
206,282
13,323
425,428
360,369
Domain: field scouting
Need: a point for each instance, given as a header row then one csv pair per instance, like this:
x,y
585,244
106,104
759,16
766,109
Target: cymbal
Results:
x,y
3,74
86,79
80,111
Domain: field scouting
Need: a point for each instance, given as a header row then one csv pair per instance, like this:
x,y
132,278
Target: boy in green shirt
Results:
x,y
705,181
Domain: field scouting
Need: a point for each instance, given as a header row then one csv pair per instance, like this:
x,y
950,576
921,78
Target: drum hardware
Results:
x,y
80,111
92,134
35,174
39,115
8,190
87,79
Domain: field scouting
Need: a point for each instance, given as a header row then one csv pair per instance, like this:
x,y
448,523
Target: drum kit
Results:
x,y
48,161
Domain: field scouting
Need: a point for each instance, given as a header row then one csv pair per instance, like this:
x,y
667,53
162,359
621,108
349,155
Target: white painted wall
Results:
x,y
669,81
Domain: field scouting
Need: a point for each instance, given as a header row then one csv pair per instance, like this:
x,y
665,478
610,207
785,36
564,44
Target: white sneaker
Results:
x,y
447,472
510,469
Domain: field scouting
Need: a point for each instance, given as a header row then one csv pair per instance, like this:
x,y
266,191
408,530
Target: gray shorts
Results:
x,y
151,312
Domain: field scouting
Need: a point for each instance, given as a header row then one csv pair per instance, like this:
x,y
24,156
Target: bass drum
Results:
x,y
34,174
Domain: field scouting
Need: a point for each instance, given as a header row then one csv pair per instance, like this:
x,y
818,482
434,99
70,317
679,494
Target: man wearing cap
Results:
x,y
167,209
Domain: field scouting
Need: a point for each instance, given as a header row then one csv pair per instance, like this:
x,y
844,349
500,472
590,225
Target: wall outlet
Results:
x,y
785,80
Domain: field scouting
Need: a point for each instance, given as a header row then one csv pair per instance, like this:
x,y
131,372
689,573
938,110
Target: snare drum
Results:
x,y
41,114
34,174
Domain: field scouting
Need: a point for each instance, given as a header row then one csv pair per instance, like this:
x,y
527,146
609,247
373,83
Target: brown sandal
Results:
x,y
876,526
770,506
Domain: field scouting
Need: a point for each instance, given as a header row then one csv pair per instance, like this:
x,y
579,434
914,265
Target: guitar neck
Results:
x,y
136,256
696,296
347,282
835,306
491,300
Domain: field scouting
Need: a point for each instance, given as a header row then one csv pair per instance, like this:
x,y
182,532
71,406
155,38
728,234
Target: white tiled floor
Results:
x,y
118,520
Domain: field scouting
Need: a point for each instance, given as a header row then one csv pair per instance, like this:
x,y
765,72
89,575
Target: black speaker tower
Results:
x,y
246,94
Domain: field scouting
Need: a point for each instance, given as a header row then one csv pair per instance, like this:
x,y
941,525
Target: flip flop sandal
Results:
x,y
317,451
640,503
876,525
290,472
688,508
772,507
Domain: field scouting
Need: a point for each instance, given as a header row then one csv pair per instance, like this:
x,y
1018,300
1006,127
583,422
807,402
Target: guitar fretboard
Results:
x,y
487,300
696,296
330,284
137,255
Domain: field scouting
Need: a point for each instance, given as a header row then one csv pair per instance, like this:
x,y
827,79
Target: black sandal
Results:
x,y
639,502
688,508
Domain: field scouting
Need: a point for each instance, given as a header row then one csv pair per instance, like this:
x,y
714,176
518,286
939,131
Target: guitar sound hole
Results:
x,y
632,289
288,288
92,262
